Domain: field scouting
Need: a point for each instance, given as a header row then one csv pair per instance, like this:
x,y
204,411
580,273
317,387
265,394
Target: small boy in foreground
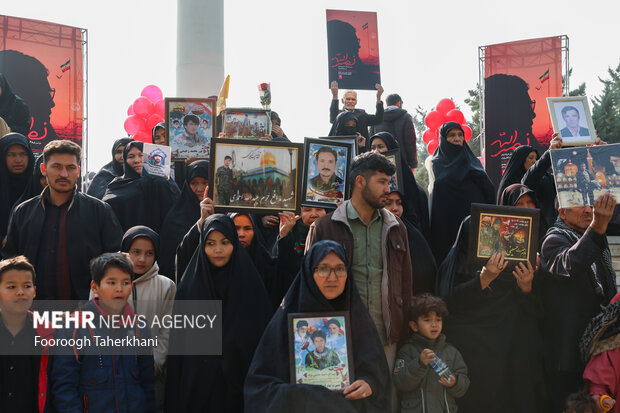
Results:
x,y
104,380
421,388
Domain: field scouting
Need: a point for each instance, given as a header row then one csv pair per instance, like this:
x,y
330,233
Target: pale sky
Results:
x,y
428,51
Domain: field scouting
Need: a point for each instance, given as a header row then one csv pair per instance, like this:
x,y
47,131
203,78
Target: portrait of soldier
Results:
x,y
326,161
224,181
322,357
190,136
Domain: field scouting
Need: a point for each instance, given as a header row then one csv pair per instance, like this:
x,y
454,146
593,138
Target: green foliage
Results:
x,y
606,108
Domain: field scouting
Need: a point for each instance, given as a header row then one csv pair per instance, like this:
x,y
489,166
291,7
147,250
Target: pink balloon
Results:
x,y
429,135
143,107
160,108
153,120
143,137
432,146
434,119
133,124
130,111
153,93
445,105
467,131
455,115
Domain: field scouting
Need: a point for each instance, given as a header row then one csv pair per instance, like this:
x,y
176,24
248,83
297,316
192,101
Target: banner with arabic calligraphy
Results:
x,y
519,76
353,49
43,63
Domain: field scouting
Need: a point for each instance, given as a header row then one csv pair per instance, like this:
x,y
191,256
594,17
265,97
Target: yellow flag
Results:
x,y
221,99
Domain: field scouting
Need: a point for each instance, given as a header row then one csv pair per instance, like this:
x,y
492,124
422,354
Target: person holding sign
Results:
x,y
268,386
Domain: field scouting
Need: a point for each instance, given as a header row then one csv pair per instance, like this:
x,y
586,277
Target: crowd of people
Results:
x,y
429,330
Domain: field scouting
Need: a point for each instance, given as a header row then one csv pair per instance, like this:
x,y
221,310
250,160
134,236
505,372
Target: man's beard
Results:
x,y
376,203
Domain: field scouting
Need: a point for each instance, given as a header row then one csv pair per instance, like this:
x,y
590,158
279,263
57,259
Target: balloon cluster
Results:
x,y
445,111
145,112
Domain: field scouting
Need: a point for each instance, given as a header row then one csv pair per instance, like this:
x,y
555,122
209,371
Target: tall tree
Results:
x,y
606,107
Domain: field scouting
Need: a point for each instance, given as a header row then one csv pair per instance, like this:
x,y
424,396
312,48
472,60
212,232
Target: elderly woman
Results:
x,y
324,284
456,180
522,159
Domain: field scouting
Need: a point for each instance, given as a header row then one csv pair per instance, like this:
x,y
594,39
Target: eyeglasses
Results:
x,y
533,104
324,271
52,93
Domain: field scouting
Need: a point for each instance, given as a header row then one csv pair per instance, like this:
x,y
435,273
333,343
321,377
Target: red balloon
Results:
x,y
152,93
445,105
467,131
133,124
130,111
143,137
429,135
160,108
434,119
153,120
455,115
432,145
143,107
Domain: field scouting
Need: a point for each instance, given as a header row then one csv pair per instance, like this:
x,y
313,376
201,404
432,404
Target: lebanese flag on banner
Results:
x,y
544,77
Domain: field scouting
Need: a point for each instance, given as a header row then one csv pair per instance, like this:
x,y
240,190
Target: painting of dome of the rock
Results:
x,y
255,175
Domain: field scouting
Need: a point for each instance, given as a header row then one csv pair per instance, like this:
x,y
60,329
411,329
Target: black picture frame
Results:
x,y
231,132
176,109
312,196
396,183
261,160
340,376
517,235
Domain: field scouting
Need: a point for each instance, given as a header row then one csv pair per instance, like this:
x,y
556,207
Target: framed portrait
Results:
x,y
503,229
255,176
156,159
320,349
325,181
571,117
246,123
190,125
396,183
584,173
345,139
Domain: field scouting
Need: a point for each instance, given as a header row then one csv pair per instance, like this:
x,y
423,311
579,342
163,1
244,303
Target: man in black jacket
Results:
x,y
349,101
62,229
399,123
578,280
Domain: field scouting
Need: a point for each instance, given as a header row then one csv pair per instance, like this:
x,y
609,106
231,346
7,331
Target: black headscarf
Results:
x,y
515,170
13,109
512,193
456,180
415,201
137,232
159,125
139,200
215,383
268,386
33,188
495,327
338,128
107,172
183,214
12,185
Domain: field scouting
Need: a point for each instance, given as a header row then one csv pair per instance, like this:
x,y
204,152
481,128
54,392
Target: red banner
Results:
x,y
43,63
353,49
519,76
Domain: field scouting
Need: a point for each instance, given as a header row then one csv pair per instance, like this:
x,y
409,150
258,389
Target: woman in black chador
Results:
x,y
110,170
220,269
456,180
268,387
522,159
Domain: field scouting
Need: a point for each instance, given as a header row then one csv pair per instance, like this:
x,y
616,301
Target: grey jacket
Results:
x,y
418,384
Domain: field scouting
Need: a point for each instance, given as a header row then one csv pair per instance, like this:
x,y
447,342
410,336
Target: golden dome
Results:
x,y
267,159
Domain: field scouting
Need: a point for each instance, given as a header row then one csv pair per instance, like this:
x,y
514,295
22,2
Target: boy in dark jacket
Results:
x,y
106,378
421,388
23,367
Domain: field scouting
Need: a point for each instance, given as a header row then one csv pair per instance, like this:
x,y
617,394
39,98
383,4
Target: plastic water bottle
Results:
x,y
441,368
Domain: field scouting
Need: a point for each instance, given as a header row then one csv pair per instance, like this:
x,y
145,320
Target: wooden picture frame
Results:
x,y
335,370
511,230
396,183
265,176
183,143
565,111
237,123
317,153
